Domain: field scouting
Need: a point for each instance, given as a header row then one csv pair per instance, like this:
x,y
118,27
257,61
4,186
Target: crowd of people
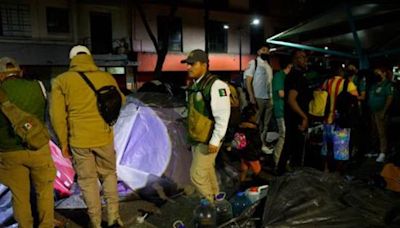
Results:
x,y
283,97
288,96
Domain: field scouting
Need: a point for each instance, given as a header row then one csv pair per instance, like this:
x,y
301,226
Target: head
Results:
x,y
196,63
249,114
9,67
380,73
351,70
299,59
78,50
285,64
337,69
263,52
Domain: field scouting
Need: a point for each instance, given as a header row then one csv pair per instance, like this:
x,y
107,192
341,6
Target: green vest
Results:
x,y
199,98
28,96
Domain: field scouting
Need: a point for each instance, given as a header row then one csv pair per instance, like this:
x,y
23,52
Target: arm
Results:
x,y
249,86
249,72
58,115
221,110
292,101
388,102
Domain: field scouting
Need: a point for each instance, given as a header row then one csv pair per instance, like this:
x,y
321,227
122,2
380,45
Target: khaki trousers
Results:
x,y
264,114
202,171
91,165
379,130
18,170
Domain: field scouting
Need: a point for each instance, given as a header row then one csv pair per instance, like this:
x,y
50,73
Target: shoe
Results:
x,y
381,157
267,150
372,154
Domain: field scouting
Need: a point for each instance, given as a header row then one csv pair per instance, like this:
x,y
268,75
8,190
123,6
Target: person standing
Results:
x,y
296,108
336,138
278,95
258,77
379,100
82,131
21,167
208,117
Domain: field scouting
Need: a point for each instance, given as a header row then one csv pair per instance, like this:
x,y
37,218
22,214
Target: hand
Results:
x,y
381,115
253,100
65,152
304,124
212,148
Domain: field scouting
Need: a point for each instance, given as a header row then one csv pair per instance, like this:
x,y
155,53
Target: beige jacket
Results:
x,y
73,105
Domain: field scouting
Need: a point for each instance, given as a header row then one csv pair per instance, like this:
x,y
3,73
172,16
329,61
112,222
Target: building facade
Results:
x,y
39,34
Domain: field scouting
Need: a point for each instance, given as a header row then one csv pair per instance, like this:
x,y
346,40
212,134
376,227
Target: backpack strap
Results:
x,y
43,89
255,65
90,84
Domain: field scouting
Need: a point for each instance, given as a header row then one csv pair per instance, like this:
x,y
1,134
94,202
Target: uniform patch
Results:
x,y
222,93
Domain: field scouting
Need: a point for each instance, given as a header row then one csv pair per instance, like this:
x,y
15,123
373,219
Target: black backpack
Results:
x,y
346,108
109,101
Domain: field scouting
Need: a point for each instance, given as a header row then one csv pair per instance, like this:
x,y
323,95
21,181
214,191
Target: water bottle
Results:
x,y
239,203
256,193
178,224
205,215
223,208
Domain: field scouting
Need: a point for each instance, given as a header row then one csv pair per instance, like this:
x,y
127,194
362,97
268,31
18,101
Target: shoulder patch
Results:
x,y
222,93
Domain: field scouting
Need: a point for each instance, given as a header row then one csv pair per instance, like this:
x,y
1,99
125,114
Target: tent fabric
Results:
x,y
150,139
310,198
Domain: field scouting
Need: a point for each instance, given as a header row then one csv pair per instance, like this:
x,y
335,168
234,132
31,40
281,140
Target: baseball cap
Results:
x,y
78,49
8,64
196,55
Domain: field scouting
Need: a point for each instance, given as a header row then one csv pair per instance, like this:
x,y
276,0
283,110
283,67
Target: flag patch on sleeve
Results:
x,y
222,93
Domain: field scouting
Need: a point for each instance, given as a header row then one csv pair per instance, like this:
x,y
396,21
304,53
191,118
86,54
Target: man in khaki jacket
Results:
x,y
81,129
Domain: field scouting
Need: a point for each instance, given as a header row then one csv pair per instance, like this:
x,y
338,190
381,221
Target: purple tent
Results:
x,y
150,139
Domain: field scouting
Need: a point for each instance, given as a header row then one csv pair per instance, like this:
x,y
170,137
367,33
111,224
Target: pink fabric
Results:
x,y
65,171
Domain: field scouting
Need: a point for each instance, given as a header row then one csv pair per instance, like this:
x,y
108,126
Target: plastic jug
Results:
x,y
256,193
223,208
178,224
205,215
239,203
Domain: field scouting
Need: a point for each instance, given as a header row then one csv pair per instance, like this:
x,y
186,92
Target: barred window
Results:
x,y
57,20
217,37
172,28
15,19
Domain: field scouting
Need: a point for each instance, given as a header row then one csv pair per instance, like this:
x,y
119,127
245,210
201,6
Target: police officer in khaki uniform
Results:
x,y
208,117
20,167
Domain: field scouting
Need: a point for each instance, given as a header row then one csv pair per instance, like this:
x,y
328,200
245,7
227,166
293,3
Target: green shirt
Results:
x,y
28,96
278,83
378,95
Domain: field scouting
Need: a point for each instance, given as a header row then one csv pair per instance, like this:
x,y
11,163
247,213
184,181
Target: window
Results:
x,y
217,37
101,32
218,4
57,20
170,29
259,6
15,19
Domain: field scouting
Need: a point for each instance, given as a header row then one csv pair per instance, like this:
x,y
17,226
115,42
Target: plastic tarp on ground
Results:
x,y
310,198
150,139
